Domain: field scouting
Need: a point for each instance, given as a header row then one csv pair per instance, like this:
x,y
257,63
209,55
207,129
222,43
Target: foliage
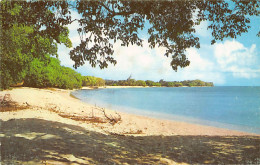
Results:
x,y
128,82
28,32
100,82
32,29
123,83
111,82
209,84
157,84
89,81
140,83
70,79
13,55
51,74
170,84
48,18
149,82
163,83
172,25
152,83
93,81
191,83
178,84
19,49
131,82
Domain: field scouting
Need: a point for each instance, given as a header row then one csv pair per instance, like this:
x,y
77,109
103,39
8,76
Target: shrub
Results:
x,y
140,83
50,74
93,81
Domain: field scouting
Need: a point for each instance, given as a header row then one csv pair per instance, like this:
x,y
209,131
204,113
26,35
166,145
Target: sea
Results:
x,y
235,108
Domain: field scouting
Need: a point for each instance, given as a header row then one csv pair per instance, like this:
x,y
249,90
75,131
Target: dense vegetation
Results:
x,y
31,31
133,82
93,81
27,51
51,74
189,83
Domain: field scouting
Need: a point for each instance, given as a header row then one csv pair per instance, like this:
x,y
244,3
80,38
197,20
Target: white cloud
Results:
x,y
244,72
64,56
74,25
142,62
133,59
63,51
202,30
75,39
197,62
234,57
145,63
199,68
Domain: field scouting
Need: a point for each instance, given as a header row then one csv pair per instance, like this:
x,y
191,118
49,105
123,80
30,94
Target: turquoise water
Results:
x,y
235,108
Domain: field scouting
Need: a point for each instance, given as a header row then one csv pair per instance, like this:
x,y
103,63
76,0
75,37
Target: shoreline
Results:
x,y
178,118
59,105
172,117
102,87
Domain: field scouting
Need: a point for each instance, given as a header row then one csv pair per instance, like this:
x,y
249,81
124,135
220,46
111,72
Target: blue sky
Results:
x,y
232,62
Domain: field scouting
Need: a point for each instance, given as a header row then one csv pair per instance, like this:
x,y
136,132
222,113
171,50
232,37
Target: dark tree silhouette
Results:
x,y
171,24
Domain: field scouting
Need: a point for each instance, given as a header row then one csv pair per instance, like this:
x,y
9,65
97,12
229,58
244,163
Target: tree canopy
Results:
x,y
51,74
172,25
34,28
28,40
93,81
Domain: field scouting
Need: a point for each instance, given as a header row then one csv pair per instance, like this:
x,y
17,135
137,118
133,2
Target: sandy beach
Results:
x,y
39,115
58,105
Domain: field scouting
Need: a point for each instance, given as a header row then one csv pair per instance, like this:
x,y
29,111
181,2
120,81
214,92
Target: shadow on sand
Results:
x,y
36,141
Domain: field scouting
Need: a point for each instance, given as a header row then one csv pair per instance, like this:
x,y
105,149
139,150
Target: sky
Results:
x,y
231,62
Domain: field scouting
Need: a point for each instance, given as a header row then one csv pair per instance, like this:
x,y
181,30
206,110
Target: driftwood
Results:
x,y
7,104
6,100
84,119
112,119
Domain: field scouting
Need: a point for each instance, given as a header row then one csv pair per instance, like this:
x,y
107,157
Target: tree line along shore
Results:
x,y
32,30
93,81
66,78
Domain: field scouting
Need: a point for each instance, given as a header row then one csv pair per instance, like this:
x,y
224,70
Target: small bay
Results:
x,y
236,108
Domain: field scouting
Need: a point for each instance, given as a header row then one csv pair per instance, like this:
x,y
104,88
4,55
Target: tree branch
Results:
x,y
113,13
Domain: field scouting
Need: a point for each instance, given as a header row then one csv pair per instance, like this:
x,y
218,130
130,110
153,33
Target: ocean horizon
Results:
x,y
230,107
